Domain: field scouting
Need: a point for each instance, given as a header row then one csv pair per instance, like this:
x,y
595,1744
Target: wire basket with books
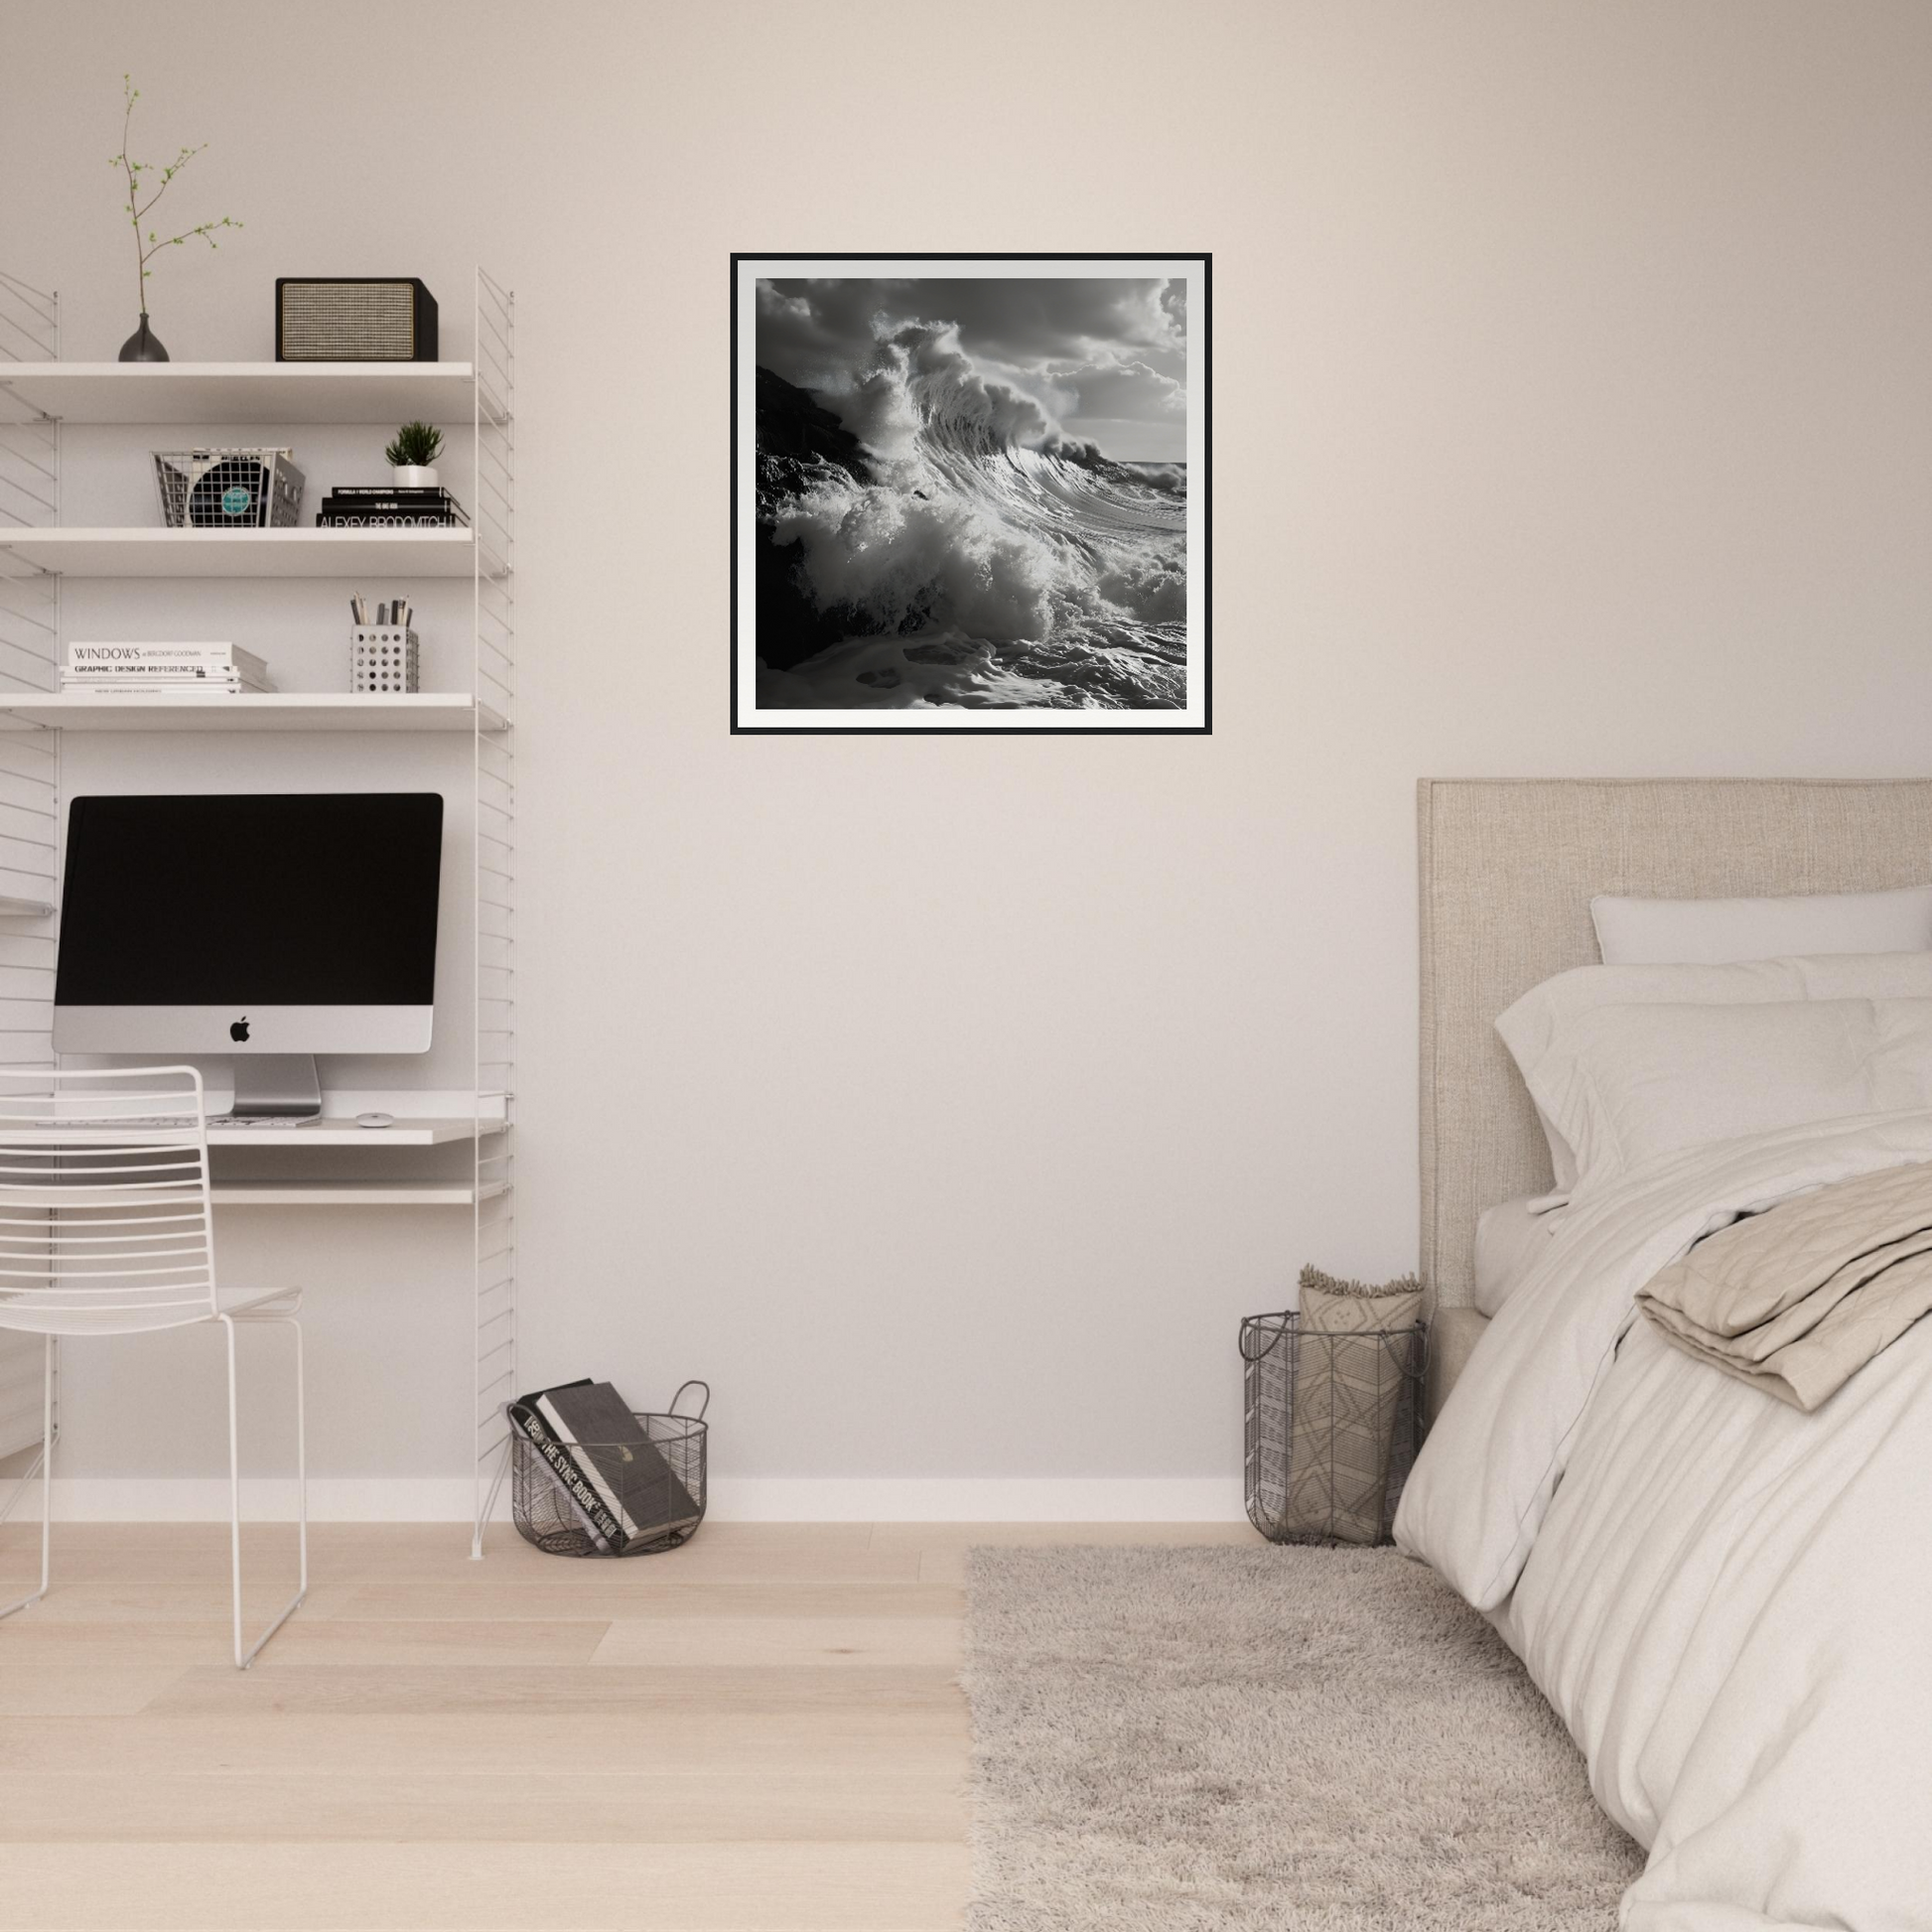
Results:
x,y
590,1476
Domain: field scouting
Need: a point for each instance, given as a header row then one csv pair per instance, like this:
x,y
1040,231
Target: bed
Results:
x,y
1727,1601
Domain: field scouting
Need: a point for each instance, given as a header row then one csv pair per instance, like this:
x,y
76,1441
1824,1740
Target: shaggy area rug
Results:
x,y
1301,1739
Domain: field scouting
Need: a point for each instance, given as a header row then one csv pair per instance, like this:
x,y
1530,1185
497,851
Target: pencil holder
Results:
x,y
383,659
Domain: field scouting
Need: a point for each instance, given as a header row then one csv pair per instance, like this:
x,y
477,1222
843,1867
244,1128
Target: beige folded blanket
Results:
x,y
1799,1299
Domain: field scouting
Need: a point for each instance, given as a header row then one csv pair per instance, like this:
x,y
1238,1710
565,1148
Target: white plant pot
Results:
x,y
413,475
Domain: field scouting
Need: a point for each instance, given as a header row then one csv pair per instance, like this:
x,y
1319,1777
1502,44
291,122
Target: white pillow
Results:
x,y
1714,931
1530,1027
1511,1238
1627,1083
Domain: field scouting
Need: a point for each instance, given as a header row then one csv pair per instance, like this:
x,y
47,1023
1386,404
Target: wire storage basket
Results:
x,y
229,489
653,1490
1334,1423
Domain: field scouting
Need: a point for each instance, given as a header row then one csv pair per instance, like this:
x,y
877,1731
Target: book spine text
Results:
x,y
588,1501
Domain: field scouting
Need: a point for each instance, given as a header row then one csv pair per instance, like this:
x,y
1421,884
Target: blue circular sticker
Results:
x,y
234,501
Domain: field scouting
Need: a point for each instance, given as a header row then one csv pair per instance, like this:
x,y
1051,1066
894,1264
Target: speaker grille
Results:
x,y
349,322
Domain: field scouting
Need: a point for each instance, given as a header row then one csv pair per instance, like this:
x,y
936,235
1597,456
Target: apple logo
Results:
x,y
240,1031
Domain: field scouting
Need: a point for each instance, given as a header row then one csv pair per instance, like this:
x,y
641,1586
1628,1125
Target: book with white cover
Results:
x,y
133,660
204,687
83,651
170,672
162,668
123,686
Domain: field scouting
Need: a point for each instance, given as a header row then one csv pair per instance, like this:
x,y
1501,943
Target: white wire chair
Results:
x,y
107,1229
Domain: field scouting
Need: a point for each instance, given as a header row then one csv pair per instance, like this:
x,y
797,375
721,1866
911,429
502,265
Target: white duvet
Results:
x,y
1729,1601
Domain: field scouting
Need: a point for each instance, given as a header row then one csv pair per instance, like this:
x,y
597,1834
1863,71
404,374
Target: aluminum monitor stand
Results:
x,y
276,1086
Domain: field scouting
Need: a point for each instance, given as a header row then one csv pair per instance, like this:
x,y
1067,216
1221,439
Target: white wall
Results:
x,y
947,1101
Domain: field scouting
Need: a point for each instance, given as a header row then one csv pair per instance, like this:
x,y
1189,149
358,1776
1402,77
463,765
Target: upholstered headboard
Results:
x,y
1507,870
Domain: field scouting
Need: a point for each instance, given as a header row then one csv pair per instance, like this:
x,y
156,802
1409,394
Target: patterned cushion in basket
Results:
x,y
1347,1384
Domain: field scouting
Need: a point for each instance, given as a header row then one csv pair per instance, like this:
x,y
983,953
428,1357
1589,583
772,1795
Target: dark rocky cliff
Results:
x,y
797,438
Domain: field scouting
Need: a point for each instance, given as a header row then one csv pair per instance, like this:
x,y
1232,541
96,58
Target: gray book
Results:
x,y
571,1484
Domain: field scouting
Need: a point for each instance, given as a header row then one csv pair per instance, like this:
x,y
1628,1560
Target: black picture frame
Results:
x,y
1194,719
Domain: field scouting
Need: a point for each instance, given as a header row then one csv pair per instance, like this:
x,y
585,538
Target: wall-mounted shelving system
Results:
x,y
39,395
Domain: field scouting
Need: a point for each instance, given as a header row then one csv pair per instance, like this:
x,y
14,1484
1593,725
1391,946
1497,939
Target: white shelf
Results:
x,y
390,554
347,1193
258,711
345,1133
384,393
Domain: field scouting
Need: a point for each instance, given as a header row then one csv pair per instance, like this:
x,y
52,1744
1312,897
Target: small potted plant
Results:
x,y
412,456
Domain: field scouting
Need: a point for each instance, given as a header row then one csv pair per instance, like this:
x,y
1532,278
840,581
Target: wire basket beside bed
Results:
x,y
1332,1426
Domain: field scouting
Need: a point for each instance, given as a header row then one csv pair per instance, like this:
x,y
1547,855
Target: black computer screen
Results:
x,y
251,898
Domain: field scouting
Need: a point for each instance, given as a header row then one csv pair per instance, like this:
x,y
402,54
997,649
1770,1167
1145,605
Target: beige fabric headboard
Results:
x,y
1507,870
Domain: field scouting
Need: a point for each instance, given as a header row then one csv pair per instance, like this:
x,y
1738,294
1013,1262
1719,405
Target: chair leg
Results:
x,y
47,1483
243,1659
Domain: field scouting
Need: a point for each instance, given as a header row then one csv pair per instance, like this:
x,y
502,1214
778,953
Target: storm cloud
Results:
x,y
1064,358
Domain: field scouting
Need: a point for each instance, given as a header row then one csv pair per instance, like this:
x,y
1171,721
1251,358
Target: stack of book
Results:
x,y
382,506
617,1482
201,669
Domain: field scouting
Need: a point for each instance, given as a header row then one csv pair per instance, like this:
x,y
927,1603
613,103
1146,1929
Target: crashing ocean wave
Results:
x,y
952,547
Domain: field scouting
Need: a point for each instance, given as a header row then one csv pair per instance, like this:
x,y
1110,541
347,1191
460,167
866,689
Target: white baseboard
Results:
x,y
734,1499
977,1499
204,1499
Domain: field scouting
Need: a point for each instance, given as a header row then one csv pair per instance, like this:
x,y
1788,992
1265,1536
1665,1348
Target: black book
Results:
x,y
360,498
527,1418
386,506
391,506
373,518
414,492
421,499
633,1482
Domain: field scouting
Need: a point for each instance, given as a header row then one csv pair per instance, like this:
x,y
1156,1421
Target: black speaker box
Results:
x,y
354,318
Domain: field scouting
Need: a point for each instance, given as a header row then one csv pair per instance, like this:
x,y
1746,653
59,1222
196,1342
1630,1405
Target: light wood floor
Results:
x,y
758,1732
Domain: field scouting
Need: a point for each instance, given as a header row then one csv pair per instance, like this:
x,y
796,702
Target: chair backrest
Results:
x,y
104,1209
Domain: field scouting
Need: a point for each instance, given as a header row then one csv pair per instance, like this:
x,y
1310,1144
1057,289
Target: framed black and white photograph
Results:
x,y
970,492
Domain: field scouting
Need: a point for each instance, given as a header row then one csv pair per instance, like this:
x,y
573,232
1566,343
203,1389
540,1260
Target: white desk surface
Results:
x,y
333,1132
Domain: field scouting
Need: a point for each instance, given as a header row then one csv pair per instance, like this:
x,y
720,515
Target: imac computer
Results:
x,y
266,927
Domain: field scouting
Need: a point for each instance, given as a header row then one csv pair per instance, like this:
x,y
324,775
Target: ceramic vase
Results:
x,y
144,345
